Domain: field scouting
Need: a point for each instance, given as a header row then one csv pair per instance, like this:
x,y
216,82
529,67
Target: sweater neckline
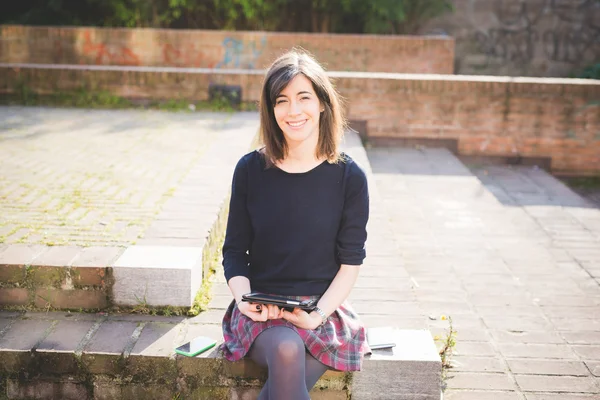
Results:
x,y
301,173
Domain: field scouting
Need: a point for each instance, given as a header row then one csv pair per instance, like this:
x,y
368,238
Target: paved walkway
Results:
x,y
94,177
513,256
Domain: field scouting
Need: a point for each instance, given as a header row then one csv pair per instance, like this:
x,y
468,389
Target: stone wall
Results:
x,y
558,119
222,49
522,37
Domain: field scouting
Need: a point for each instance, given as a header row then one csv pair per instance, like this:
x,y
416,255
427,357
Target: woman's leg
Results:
x,y
282,351
314,370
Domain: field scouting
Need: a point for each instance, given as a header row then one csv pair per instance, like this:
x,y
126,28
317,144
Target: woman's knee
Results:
x,y
289,351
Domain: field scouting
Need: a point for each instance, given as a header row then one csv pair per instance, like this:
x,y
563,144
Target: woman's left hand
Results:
x,y
302,319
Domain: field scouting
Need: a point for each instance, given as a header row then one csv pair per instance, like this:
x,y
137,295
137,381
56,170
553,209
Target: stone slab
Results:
x,y
547,367
411,369
541,383
111,338
24,334
66,336
142,273
157,339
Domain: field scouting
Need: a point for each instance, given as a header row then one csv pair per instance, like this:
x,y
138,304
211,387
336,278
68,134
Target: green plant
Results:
x,y
591,72
446,345
339,16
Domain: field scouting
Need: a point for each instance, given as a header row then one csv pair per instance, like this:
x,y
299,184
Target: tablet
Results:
x,y
280,301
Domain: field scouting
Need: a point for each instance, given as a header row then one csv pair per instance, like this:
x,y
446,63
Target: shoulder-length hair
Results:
x,y
331,122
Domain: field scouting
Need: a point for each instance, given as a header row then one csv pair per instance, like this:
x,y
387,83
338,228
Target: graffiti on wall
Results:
x,y
241,54
567,31
185,56
103,53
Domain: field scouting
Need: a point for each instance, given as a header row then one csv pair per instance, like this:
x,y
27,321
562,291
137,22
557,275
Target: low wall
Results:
x,y
522,38
221,49
557,119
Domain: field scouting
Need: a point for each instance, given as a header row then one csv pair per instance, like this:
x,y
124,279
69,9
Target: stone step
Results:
x,y
93,356
164,268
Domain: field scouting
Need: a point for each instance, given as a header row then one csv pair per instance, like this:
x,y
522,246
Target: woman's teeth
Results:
x,y
296,124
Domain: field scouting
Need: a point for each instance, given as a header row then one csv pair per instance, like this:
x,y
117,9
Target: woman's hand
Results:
x,y
302,319
274,312
254,311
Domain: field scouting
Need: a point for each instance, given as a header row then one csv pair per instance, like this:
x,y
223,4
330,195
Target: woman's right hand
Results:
x,y
254,311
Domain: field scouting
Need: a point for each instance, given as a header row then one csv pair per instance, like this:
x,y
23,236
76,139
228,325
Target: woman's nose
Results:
x,y
294,108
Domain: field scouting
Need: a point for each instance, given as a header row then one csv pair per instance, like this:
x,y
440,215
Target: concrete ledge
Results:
x,y
98,357
411,370
143,274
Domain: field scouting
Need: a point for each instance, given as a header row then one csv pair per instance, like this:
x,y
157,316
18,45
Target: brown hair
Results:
x,y
331,122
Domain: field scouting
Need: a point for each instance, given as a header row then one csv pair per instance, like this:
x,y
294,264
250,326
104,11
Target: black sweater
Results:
x,y
288,233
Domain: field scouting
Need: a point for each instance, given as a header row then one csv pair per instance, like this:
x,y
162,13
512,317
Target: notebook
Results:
x,y
381,338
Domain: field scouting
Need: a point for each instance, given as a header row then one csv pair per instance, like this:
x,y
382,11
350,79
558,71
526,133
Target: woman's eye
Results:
x,y
305,98
279,102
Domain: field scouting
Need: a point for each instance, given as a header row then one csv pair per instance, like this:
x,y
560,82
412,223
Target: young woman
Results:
x,y
296,228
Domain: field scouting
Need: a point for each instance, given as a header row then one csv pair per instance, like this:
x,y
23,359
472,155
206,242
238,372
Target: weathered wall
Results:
x,y
554,118
523,37
221,49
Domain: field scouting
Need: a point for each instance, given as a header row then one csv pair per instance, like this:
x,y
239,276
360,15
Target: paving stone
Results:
x,y
576,324
477,364
562,300
57,256
24,334
587,352
506,336
66,336
480,381
560,396
4,322
111,338
157,339
480,395
519,350
517,323
593,366
21,254
547,367
474,349
541,383
572,312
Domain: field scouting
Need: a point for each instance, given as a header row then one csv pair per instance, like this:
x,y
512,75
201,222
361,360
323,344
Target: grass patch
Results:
x,y
24,95
583,182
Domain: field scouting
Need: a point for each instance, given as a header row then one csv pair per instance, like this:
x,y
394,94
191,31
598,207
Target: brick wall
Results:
x,y
221,49
509,117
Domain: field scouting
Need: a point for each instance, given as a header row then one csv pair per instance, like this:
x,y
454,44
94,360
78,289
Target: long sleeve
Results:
x,y
238,237
353,233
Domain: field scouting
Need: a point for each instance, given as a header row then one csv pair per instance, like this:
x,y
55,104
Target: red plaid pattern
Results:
x,y
340,343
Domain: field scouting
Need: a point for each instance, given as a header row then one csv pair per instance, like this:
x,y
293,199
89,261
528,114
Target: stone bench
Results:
x,y
85,356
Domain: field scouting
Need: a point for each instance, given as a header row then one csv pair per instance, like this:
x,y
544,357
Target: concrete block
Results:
x,y
157,276
408,371
40,389
14,296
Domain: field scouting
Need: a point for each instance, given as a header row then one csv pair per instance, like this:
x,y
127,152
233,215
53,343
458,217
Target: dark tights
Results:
x,y
292,370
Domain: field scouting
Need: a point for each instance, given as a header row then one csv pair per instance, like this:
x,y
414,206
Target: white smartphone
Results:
x,y
196,346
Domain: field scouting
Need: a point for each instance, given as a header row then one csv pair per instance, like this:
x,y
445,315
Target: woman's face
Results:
x,y
297,111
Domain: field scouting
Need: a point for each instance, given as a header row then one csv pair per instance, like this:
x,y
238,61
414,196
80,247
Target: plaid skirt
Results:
x,y
340,343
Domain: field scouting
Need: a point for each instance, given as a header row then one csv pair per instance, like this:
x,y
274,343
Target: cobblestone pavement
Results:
x,y
67,177
513,256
